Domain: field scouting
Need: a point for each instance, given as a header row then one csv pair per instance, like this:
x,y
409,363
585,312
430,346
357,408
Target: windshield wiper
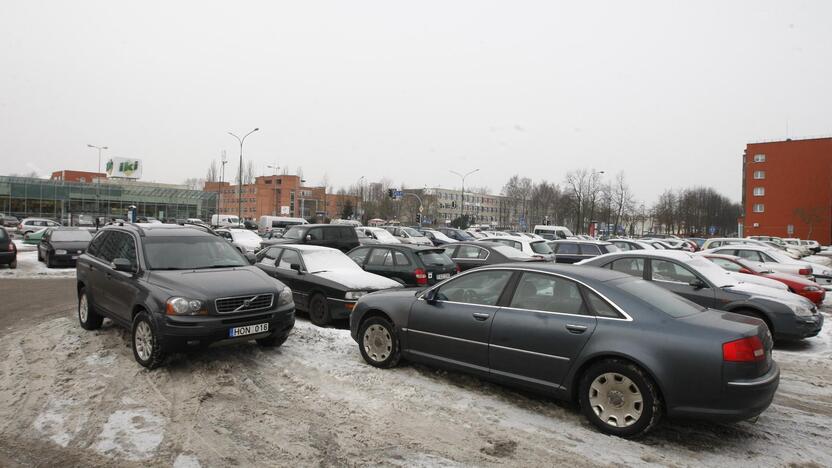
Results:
x,y
222,266
168,269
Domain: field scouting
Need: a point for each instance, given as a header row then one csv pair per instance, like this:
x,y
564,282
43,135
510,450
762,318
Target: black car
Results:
x,y
178,286
456,234
337,236
8,251
572,251
409,264
626,350
469,255
787,316
325,282
63,246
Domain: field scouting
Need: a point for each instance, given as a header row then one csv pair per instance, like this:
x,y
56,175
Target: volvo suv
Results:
x,y
176,287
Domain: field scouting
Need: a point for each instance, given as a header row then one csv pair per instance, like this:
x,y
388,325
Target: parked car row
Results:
x,y
631,332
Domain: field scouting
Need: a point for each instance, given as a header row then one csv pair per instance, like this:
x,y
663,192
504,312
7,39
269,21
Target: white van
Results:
x,y
553,232
225,220
267,223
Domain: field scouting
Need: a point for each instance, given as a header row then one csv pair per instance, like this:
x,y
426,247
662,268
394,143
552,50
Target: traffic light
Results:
x,y
391,193
453,204
418,218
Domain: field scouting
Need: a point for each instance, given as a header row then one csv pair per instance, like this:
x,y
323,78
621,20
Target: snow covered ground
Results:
x,y
28,265
79,398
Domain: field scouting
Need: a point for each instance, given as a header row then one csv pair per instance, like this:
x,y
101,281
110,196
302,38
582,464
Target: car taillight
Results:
x,y
11,247
421,277
458,269
748,349
804,271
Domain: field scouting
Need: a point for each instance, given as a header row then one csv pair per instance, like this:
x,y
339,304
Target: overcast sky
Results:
x,y
668,92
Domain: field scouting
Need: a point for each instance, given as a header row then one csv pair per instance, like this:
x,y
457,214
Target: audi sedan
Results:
x,y
625,349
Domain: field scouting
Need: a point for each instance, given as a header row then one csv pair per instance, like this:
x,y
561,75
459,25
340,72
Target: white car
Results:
x,y
30,225
246,241
437,237
380,234
795,243
407,235
752,279
779,262
533,247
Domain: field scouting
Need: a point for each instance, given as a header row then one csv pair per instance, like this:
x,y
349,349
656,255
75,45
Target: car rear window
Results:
x,y
590,249
659,298
3,234
541,247
71,236
435,258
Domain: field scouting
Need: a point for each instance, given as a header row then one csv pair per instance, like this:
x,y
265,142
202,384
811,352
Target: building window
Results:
x,y
759,158
759,174
759,208
759,191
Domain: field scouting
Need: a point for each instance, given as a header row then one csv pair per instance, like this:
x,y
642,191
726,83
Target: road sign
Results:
x,y
421,210
790,229
398,194
712,230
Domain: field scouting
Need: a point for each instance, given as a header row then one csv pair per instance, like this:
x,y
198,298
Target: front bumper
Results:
x,y
740,399
804,327
65,259
823,280
178,331
340,308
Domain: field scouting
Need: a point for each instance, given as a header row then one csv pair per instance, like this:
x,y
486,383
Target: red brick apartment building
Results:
x,y
279,195
787,189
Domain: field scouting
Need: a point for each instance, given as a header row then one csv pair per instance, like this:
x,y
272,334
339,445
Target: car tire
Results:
x,y
757,315
608,387
148,349
87,315
319,310
379,343
40,257
49,263
272,341
13,264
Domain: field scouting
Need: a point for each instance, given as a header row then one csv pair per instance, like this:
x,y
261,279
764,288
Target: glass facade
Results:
x,y
56,199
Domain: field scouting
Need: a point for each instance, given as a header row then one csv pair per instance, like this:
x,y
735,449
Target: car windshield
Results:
x,y
293,233
243,236
510,252
658,297
384,236
412,232
441,236
328,259
190,253
541,247
360,233
465,236
713,273
753,266
71,236
435,258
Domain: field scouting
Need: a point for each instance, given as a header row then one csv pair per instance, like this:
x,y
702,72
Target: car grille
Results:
x,y
227,305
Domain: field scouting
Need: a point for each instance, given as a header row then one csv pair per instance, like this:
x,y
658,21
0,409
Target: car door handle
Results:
x,y
576,329
480,316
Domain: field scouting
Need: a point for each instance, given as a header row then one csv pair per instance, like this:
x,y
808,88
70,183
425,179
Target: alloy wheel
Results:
x,y
83,308
143,341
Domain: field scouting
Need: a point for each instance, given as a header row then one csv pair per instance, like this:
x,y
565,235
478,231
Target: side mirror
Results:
x,y
308,237
746,271
251,258
430,297
296,267
697,284
124,265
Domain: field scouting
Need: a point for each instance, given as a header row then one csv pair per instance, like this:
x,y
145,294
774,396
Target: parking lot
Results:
x,y
77,398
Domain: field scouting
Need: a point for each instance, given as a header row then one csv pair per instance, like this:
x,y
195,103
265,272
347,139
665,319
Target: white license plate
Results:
x,y
248,330
75,257
442,276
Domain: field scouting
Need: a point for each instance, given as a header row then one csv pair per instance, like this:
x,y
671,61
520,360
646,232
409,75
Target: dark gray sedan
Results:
x,y
626,350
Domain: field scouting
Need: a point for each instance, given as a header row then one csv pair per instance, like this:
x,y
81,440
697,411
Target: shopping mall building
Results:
x,y
68,194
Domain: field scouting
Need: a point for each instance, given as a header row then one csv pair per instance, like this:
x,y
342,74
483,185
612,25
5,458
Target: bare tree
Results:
x,y
194,184
213,173
810,217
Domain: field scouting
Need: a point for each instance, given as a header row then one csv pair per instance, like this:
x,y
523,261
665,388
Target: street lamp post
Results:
x,y
99,148
360,207
240,181
462,202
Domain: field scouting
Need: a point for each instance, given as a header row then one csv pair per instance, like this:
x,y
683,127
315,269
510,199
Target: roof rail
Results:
x,y
201,226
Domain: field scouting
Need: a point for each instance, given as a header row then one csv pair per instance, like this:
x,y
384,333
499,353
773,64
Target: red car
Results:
x,y
797,284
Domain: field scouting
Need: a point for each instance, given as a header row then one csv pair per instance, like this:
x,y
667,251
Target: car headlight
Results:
x,y
801,311
285,297
811,288
354,295
60,252
183,306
